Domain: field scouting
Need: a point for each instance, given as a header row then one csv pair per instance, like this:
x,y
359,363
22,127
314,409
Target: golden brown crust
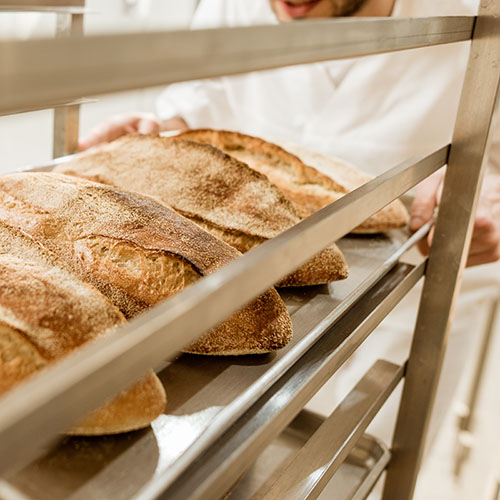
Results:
x,y
219,193
132,409
392,216
134,249
309,189
196,180
315,267
19,358
110,237
46,312
268,331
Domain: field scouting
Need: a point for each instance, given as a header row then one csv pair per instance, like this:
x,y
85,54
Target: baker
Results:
x,y
373,111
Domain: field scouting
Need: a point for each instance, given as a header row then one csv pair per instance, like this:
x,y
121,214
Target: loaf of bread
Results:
x,y
46,312
222,195
310,180
137,252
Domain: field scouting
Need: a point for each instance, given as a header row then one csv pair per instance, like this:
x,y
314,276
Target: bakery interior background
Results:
x,y
104,17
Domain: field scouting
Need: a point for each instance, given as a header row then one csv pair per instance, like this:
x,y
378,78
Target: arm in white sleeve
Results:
x,y
202,103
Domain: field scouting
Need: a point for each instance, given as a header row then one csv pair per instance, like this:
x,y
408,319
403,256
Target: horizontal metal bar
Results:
x,y
55,105
41,3
47,166
34,73
218,468
46,10
122,357
314,465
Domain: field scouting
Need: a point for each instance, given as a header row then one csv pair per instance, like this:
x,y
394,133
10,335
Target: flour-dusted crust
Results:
x,y
223,195
391,216
46,312
310,180
136,251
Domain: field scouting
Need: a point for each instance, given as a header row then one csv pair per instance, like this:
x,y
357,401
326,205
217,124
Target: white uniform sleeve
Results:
x,y
199,103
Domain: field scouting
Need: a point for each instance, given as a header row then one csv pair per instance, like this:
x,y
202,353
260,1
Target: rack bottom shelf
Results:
x,y
354,479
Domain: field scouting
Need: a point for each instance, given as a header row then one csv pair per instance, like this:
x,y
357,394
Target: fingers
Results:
x,y
426,200
143,123
175,123
424,245
483,258
148,126
485,242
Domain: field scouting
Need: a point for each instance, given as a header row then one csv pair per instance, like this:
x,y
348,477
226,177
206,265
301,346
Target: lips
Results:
x,y
297,10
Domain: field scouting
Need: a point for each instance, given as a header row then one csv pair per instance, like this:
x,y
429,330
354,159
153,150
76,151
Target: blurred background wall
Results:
x,y
26,138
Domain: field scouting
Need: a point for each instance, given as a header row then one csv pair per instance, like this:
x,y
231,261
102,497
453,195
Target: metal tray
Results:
x,y
205,396
354,479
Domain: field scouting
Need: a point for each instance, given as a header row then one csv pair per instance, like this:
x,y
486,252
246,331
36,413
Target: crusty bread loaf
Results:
x,y
291,170
137,252
221,194
392,216
46,312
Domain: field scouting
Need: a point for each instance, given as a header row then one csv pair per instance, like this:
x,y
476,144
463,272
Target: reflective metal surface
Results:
x,y
217,468
449,251
205,395
74,386
313,466
40,3
355,476
67,118
10,7
98,64
56,105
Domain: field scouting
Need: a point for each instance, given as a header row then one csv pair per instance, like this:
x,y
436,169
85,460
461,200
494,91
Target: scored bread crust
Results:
x,y
224,196
392,216
310,180
136,251
46,312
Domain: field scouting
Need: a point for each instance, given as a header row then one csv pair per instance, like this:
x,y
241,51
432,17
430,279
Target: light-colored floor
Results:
x,y
481,471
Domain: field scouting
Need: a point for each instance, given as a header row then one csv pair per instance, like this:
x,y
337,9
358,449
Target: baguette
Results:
x,y
291,170
46,312
137,252
222,195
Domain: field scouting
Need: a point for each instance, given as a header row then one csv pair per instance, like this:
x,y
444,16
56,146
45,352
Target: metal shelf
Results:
x,y
228,437
220,466
314,465
353,480
207,396
125,355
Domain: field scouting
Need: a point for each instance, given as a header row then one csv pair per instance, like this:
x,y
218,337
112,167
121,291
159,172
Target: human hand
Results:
x,y
128,123
485,242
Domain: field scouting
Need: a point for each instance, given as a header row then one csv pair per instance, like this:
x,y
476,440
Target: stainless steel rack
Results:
x,y
225,411
69,23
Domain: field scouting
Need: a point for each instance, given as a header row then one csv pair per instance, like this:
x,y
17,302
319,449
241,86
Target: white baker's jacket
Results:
x,y
372,111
